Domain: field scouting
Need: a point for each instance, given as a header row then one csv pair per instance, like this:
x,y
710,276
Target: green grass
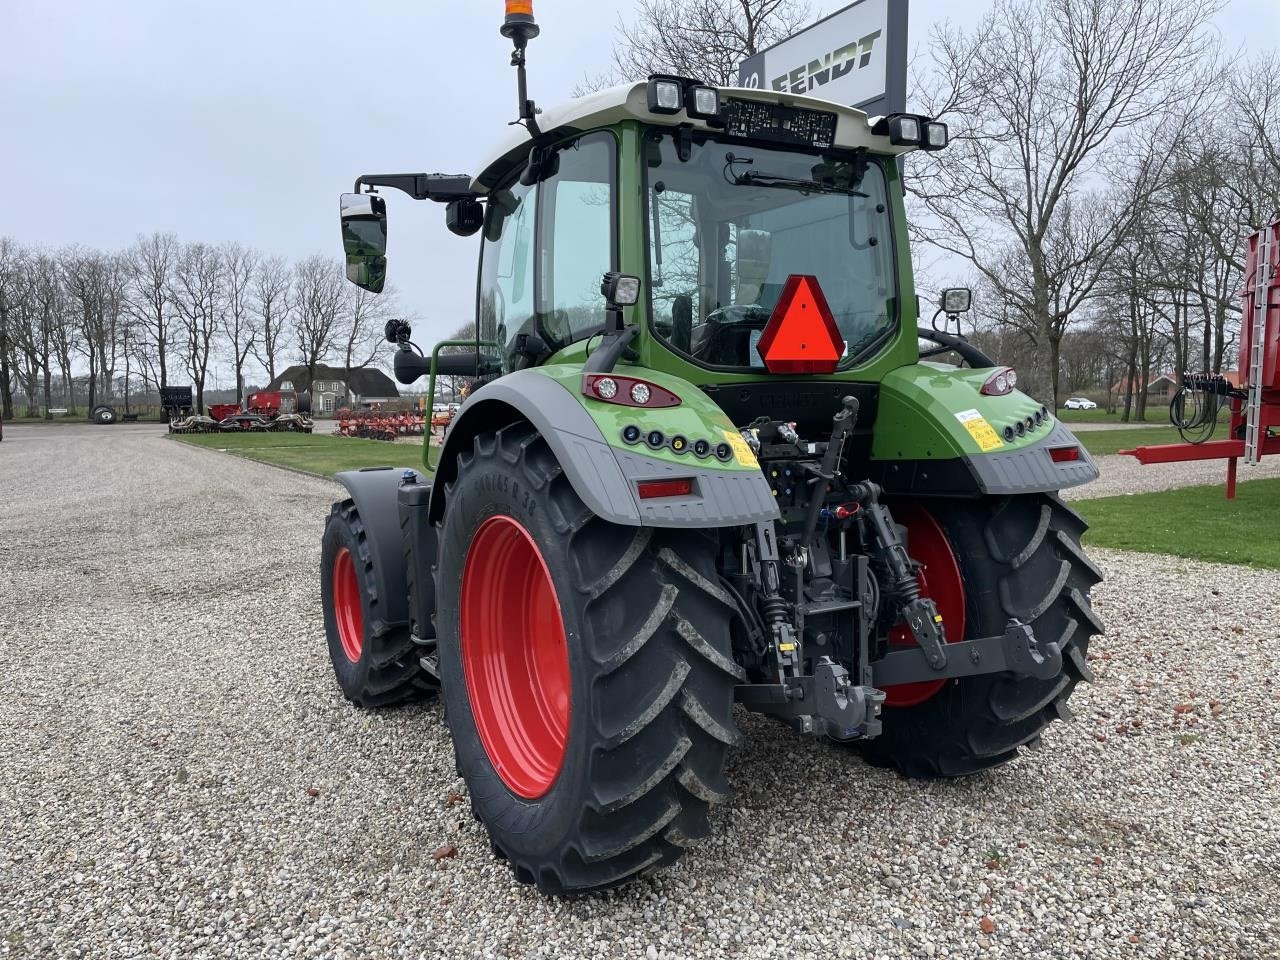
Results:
x,y
1195,522
1102,442
320,454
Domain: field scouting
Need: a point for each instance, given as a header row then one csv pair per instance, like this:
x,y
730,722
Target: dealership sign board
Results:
x,y
857,56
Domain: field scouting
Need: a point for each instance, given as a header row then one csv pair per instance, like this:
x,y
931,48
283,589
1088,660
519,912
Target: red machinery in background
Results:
x,y
1255,401
261,411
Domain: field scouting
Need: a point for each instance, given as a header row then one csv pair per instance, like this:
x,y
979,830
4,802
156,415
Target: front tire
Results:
x,y
586,672
1017,557
375,660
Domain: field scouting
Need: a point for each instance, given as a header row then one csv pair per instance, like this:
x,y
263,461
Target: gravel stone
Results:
x,y
167,710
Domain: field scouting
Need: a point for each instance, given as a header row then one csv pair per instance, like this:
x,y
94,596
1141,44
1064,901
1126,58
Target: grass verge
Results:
x,y
1103,442
1195,522
319,454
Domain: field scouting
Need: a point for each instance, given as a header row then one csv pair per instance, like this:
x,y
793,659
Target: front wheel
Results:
x,y
986,561
586,672
375,660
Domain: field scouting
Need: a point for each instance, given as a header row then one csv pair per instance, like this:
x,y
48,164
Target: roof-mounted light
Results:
x,y
911,130
935,136
666,95
703,102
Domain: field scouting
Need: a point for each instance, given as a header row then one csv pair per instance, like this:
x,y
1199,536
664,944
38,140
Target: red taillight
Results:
x,y
1064,454
801,335
653,489
999,383
627,391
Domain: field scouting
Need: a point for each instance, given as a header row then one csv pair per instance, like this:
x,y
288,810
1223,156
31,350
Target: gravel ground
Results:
x,y
180,778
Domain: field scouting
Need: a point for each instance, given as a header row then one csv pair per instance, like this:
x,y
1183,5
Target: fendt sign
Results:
x,y
857,56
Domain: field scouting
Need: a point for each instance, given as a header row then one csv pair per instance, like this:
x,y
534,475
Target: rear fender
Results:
x,y
937,434
602,469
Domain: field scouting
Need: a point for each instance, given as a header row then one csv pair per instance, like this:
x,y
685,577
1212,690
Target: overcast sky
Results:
x,y
244,119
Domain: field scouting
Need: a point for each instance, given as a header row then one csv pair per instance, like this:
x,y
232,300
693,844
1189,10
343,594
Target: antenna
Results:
x,y
520,27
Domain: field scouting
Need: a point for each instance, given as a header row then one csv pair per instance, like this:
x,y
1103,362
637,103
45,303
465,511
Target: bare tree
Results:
x,y
1069,111
271,288
317,305
240,265
196,293
151,262
11,286
360,335
706,39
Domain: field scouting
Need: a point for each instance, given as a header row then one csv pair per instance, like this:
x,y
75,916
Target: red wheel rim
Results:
x,y
939,580
346,605
514,656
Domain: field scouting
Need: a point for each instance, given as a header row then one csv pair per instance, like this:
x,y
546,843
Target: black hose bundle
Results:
x,y
1195,413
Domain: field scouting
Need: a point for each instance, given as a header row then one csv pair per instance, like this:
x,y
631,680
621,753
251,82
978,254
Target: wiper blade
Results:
x,y
751,178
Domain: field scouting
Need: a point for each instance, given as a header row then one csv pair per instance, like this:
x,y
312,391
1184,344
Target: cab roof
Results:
x,y
630,102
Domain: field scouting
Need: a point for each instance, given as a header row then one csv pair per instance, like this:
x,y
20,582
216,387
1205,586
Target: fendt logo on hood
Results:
x,y
829,67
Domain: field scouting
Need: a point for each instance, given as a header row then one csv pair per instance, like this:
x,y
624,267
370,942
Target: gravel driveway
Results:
x,y
180,778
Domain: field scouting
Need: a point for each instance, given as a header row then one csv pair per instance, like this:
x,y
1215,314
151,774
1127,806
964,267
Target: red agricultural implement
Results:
x,y
380,424
262,411
1255,400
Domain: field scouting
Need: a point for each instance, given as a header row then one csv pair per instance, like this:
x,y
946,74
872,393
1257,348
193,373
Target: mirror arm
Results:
x,y
440,187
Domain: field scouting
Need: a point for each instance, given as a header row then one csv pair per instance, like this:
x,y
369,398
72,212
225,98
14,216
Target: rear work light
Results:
x,y
1064,454
656,489
627,391
999,383
665,94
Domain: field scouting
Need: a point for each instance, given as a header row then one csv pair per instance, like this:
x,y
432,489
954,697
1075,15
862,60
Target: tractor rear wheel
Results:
x,y
586,672
1007,557
375,660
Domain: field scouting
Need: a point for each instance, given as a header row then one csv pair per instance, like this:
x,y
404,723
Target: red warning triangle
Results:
x,y
801,335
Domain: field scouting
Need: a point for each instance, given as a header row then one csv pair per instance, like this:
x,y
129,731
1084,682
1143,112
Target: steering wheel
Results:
x,y
726,335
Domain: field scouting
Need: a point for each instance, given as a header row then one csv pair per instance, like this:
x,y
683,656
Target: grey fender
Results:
x,y
603,476
374,491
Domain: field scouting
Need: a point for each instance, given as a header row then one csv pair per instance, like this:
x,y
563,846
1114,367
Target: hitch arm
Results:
x,y
1016,651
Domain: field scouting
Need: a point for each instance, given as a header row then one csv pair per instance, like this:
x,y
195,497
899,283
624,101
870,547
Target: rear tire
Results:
x,y
375,660
650,676
1018,557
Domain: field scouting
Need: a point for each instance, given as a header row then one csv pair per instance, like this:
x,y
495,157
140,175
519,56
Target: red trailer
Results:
x,y
1254,429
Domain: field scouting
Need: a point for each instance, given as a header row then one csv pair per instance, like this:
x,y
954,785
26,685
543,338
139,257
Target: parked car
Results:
x,y
1080,403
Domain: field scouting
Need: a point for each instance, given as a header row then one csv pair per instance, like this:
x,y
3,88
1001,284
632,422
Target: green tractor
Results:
x,y
727,472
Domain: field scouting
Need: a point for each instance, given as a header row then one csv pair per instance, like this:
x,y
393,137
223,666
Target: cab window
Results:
x,y
545,249
577,239
506,305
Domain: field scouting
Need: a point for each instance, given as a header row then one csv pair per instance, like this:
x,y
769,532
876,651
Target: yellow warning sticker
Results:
x,y
981,431
741,450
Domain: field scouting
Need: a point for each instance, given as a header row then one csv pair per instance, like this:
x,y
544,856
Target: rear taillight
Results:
x,y
627,391
654,489
1001,382
1064,454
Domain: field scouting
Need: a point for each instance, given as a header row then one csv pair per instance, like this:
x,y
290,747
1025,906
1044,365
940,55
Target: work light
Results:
x,y
935,135
620,289
902,129
703,102
665,96
956,300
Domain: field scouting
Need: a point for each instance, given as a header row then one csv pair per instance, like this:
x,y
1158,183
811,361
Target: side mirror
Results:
x,y
956,300
364,239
